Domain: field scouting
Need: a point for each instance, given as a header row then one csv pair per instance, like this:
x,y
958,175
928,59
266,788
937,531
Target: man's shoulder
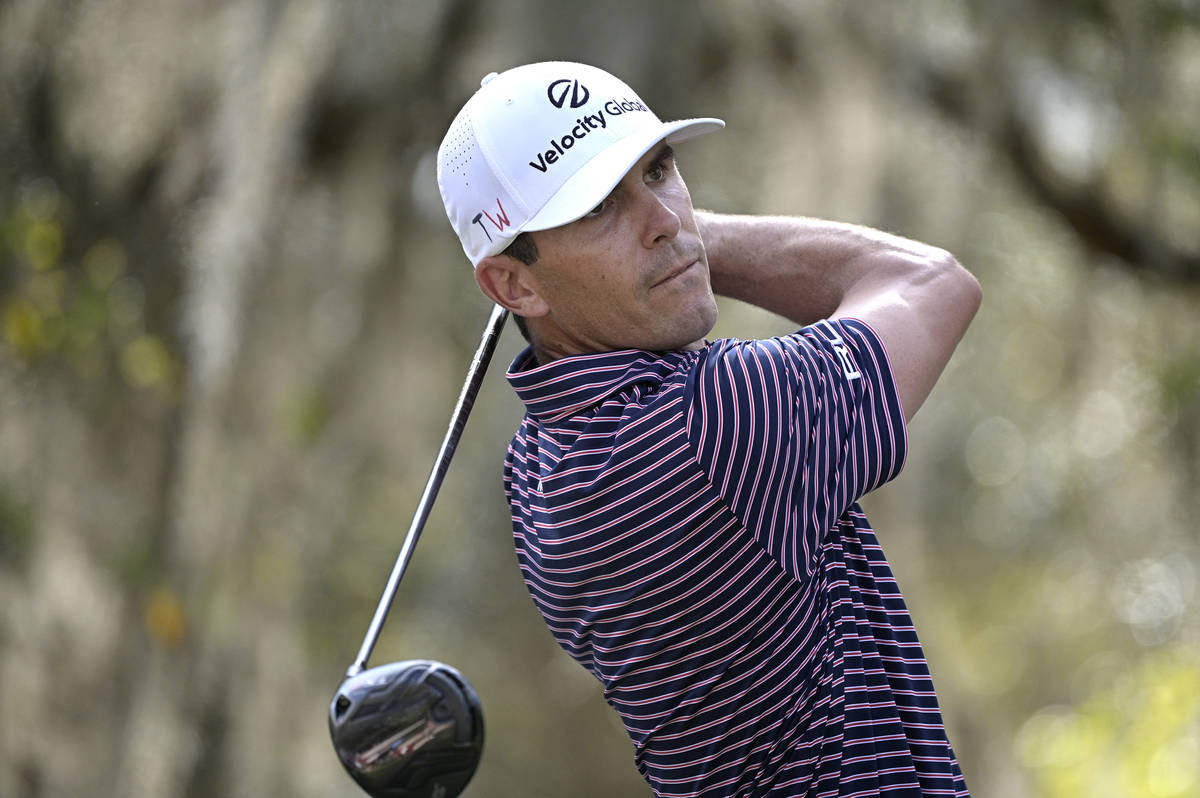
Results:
x,y
834,344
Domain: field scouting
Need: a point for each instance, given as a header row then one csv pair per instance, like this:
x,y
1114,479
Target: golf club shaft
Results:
x,y
458,421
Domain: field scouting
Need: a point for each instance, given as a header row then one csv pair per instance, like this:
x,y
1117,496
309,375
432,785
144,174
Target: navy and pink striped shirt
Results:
x,y
687,524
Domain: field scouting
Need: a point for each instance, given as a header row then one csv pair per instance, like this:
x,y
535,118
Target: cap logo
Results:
x,y
558,90
500,222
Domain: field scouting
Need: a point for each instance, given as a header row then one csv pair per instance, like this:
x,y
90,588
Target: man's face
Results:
x,y
632,274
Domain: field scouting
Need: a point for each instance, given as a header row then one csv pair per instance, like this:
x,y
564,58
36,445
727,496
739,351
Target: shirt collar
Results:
x,y
569,385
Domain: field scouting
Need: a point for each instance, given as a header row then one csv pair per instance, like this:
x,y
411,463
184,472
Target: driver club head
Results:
x,y
409,729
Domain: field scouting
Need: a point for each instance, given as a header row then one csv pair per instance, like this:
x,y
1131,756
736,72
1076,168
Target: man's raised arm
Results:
x,y
917,297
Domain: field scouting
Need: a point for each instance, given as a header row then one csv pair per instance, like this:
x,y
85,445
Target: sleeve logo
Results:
x,y
848,368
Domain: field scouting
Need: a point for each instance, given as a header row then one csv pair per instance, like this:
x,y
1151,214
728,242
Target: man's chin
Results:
x,y
694,337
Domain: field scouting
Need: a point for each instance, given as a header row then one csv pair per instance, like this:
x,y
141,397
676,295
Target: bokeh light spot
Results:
x,y
43,245
104,262
164,618
146,362
1102,426
995,451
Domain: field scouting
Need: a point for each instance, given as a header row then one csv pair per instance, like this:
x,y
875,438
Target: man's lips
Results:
x,y
675,272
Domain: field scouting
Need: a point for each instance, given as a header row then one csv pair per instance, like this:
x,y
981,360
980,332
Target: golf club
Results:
x,y
414,729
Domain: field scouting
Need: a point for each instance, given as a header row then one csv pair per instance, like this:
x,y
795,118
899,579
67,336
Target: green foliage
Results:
x,y
1180,383
1137,736
135,565
86,311
17,530
305,415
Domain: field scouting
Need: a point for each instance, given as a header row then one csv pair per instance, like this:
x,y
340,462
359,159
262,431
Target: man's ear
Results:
x,y
508,283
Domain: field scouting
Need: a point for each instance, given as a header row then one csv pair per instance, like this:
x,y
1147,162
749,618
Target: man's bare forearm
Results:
x,y
917,297
798,267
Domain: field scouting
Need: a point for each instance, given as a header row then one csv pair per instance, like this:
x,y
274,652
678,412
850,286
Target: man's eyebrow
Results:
x,y
665,152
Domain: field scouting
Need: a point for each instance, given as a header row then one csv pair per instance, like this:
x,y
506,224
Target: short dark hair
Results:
x,y
525,250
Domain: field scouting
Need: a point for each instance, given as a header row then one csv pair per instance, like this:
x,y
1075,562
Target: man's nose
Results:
x,y
660,220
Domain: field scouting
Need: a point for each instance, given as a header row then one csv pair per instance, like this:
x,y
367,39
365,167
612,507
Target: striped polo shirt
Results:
x,y
687,524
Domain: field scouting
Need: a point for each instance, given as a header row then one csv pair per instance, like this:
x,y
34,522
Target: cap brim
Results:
x,y
599,176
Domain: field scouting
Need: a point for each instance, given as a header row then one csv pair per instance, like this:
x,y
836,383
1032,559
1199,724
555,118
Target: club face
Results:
x,y
408,730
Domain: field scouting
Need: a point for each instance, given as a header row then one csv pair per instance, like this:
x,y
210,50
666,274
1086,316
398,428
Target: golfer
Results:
x,y
685,511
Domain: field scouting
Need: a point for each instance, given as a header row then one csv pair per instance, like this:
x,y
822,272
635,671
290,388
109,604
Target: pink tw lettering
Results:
x,y
500,222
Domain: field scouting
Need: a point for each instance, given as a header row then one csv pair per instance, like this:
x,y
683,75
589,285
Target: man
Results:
x,y
684,512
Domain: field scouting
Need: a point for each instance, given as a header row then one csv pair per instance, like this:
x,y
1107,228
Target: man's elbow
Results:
x,y
957,284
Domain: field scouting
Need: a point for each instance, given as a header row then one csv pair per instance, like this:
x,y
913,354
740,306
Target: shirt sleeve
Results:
x,y
793,430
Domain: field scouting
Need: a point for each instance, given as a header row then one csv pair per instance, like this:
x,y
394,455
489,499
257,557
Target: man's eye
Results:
x,y
657,173
598,209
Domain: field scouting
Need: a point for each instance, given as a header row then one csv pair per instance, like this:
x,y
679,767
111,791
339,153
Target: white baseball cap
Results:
x,y
539,146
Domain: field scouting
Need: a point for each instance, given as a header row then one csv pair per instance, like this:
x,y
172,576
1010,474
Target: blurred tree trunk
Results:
x,y
1077,102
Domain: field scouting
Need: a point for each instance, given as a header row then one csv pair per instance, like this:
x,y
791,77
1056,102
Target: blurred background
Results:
x,y
235,320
